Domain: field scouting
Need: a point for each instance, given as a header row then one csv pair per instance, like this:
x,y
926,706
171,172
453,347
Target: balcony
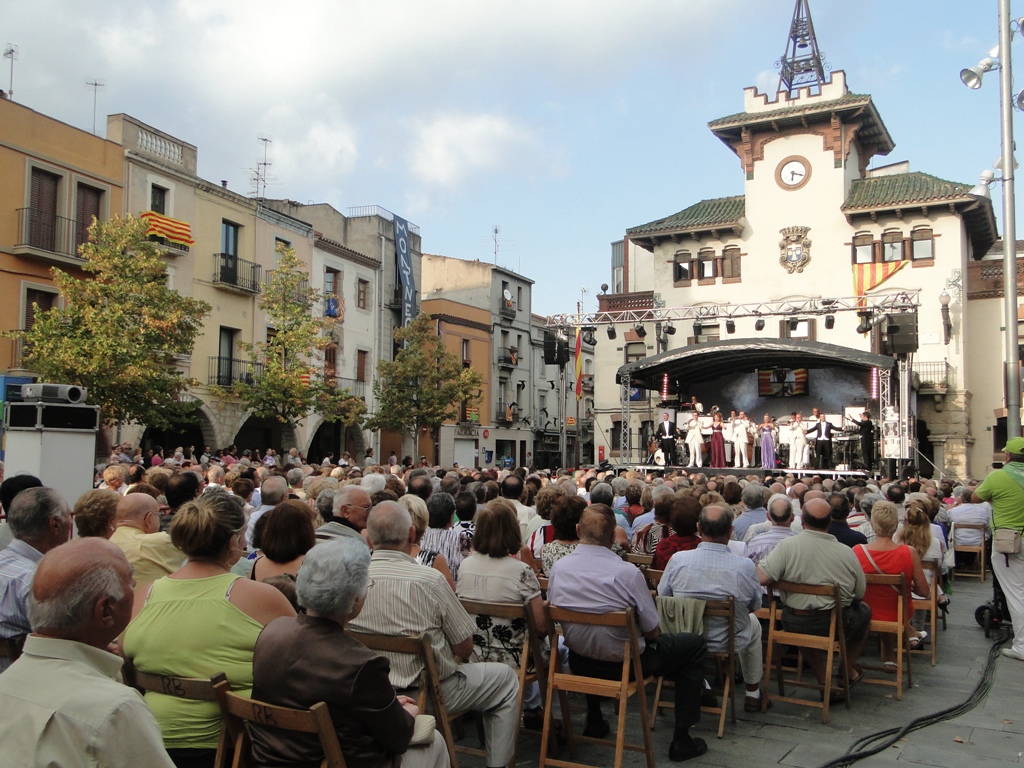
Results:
x,y
625,302
933,378
49,236
235,274
508,357
506,413
301,289
507,309
356,387
225,371
587,382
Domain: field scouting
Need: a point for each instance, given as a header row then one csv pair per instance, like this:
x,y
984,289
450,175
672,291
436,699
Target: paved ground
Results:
x,y
989,736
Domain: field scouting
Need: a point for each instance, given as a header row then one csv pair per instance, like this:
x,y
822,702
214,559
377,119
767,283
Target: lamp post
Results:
x,y
972,79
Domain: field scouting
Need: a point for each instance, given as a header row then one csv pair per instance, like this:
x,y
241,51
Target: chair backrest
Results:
x,y
417,645
820,590
981,527
531,641
898,583
200,689
639,560
723,609
241,710
614,619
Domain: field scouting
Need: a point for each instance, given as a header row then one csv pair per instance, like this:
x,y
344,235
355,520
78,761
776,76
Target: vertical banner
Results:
x,y
403,268
579,364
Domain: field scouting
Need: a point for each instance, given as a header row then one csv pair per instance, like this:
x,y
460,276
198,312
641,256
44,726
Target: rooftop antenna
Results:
x,y
11,52
802,65
95,85
260,176
495,231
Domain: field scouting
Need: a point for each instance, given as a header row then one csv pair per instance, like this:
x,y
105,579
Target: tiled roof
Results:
x,y
703,215
846,100
902,189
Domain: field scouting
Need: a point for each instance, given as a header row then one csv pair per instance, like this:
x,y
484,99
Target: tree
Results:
x,y
290,380
424,385
120,329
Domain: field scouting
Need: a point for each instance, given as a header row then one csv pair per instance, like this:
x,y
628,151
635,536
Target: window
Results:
x,y
363,294
682,267
922,244
519,298
158,199
42,223
331,362
892,246
465,353
702,334
635,350
707,269
863,249
279,245
229,237
87,208
34,296
331,282
362,363
618,260
797,328
731,264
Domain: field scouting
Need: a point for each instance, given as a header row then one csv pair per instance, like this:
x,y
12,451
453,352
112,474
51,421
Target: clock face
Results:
x,y
793,173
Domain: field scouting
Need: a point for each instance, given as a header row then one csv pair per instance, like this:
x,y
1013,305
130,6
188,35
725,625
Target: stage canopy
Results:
x,y
715,359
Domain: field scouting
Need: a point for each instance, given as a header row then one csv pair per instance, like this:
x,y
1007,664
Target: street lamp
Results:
x,y
947,325
972,79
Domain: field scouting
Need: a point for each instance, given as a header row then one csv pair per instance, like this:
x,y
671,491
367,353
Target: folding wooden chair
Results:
x,y
196,689
429,696
631,683
641,561
653,579
930,605
240,711
979,550
898,630
532,667
833,645
724,673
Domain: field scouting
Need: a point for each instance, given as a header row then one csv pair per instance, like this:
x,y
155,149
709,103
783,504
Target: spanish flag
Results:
x,y
172,230
868,276
579,364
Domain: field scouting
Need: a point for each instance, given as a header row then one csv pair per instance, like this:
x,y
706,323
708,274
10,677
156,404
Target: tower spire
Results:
x,y
802,64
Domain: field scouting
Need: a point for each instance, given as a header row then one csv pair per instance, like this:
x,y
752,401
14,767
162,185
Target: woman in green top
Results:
x,y
201,620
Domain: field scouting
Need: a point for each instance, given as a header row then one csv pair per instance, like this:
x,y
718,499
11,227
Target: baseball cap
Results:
x,y
1015,445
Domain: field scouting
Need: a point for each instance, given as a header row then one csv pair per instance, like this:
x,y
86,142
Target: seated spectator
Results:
x,y
839,528
200,620
428,557
148,549
63,701
565,519
287,537
544,503
408,599
886,557
684,513
95,512
594,580
10,488
350,508
440,536
968,512
646,538
114,478
494,575
918,532
753,497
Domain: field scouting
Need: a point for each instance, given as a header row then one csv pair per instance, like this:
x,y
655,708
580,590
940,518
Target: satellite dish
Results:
x,y
507,294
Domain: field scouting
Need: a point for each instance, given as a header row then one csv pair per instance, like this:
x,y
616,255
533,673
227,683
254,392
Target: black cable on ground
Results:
x,y
882,740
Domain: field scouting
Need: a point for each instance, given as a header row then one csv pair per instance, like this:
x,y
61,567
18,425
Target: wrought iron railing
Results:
x,y
238,273
934,375
506,413
508,356
225,371
47,231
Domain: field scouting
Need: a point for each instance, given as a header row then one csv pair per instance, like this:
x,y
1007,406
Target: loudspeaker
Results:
x,y
550,348
51,416
903,340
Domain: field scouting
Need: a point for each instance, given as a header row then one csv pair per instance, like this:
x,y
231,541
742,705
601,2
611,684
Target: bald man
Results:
x,y
63,700
138,534
814,556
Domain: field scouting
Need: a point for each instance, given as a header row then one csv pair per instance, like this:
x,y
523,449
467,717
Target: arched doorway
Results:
x,y
196,435
260,434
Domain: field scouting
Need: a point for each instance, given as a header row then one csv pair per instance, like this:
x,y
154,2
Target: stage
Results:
x,y
744,471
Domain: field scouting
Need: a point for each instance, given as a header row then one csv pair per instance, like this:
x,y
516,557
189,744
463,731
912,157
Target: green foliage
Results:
x,y
291,382
120,329
424,385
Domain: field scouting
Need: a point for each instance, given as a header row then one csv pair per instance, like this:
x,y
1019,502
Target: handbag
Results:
x,y
1006,541
949,558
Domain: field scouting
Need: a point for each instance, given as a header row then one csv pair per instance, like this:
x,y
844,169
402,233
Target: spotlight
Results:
x,y
865,322
793,324
696,330
611,332
730,326
640,330
589,338
830,322
828,302
670,329
759,325
971,77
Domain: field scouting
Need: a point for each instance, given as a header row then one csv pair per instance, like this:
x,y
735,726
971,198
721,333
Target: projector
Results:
x,y
53,393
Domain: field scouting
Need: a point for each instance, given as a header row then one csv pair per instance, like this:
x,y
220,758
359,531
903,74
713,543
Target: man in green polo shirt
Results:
x,y
1004,488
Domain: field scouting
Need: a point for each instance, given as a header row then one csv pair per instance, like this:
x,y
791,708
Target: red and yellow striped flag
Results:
x,y
171,229
579,364
868,276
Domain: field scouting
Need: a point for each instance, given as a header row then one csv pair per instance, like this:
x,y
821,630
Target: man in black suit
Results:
x,y
822,442
867,440
667,433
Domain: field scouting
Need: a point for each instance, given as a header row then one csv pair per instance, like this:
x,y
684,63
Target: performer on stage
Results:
x,y
867,440
695,406
823,441
695,442
768,434
667,432
740,437
798,448
717,441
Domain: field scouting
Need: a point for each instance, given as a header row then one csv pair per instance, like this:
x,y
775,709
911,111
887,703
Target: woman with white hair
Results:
x,y
299,661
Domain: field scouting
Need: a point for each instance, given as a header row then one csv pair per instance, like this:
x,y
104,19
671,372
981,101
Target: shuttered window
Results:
x,y
87,208
44,299
731,263
362,361
42,226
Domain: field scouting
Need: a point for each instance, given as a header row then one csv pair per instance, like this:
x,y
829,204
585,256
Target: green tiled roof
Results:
x,y
703,215
902,189
846,100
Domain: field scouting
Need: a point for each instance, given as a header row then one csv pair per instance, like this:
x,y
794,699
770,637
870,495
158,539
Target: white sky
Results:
x,y
562,122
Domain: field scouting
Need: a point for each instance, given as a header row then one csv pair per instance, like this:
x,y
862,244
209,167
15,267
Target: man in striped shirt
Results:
x,y
408,599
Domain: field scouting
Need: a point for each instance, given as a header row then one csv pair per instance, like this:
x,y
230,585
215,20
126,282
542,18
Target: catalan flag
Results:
x,y
579,364
172,230
868,276
781,382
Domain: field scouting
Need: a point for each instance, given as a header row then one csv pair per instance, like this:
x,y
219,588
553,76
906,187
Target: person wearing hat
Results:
x,y
1004,489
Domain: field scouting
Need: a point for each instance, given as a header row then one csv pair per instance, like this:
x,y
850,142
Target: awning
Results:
x,y
715,359
172,230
